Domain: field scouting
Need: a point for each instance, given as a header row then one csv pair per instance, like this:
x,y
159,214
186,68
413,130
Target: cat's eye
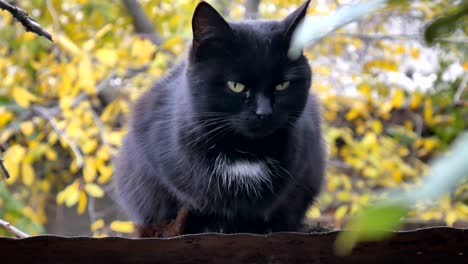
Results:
x,y
236,87
282,86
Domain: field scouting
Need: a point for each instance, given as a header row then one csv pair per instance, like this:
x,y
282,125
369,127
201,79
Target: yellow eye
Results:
x,y
281,87
236,87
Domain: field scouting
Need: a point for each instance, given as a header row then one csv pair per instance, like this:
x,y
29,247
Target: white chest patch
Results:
x,y
240,174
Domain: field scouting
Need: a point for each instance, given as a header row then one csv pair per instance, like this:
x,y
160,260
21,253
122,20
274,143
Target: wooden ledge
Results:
x,y
431,245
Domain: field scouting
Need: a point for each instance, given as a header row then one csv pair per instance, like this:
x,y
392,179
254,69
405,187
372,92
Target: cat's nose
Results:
x,y
264,109
263,115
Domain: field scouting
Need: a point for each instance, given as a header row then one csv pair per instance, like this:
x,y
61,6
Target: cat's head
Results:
x,y
241,70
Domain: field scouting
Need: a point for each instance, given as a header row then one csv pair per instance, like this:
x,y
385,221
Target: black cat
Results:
x,y
232,132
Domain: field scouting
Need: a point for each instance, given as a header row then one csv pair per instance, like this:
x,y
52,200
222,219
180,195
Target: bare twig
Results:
x,y
23,17
141,22
76,151
396,37
2,167
12,230
371,37
53,14
460,89
91,210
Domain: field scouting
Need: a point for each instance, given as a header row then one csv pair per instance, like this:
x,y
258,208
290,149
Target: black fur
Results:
x,y
188,118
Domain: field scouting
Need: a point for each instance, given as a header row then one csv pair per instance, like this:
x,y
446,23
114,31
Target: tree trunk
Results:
x,y
141,22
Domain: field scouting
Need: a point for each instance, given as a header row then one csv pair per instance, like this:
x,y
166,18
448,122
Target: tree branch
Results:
x,y
45,114
460,89
141,22
28,23
2,167
12,230
373,37
251,9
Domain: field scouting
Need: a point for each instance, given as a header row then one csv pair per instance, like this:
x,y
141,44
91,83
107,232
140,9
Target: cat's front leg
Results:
x,y
167,228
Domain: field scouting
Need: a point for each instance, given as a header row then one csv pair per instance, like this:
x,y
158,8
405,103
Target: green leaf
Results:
x,y
446,25
375,223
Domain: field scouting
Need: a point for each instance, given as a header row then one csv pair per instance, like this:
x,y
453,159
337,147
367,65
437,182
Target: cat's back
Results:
x,y
156,104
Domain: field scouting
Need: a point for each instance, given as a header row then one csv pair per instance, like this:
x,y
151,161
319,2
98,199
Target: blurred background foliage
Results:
x,y
390,103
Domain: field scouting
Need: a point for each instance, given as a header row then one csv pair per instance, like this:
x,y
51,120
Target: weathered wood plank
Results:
x,y
433,245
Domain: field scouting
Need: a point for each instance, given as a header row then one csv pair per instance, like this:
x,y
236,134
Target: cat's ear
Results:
x,y
291,22
208,24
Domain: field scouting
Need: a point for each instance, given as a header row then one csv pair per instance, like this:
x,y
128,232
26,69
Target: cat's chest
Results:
x,y
239,173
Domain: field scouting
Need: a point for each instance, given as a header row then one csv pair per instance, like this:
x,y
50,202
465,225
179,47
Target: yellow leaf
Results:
x,y
397,175
60,197
430,215
94,190
398,98
106,174
51,154
72,195
450,218
384,110
45,186
352,114
430,144
322,70
30,214
88,45
416,100
98,224
103,153
67,44
65,85
369,140
409,125
89,146
122,226
11,161
370,172
28,36
462,209
23,97
86,75
89,170
82,203
400,49
428,111
343,196
341,212
6,134
465,66
107,57
27,173
313,212
5,116
415,53
109,112
381,64
27,128
65,103
365,89
101,32
115,138
377,126
74,167
174,44
124,106
143,49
